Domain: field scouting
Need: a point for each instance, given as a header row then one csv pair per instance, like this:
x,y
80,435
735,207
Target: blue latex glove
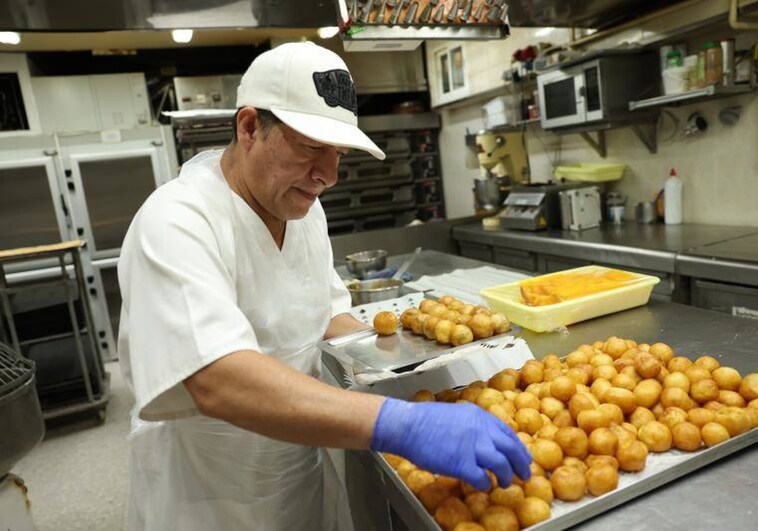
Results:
x,y
387,273
459,440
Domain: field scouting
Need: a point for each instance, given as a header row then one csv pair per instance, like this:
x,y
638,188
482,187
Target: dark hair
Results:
x,y
266,117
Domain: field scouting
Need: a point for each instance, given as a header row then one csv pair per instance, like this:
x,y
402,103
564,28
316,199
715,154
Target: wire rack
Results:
x,y
14,370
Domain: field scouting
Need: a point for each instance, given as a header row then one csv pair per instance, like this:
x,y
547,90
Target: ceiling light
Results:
x,y
9,37
181,35
327,32
544,32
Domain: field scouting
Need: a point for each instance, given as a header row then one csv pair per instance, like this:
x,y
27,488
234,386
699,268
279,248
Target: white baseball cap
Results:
x,y
310,89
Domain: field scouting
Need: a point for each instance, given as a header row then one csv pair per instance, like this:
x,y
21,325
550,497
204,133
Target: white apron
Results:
x,y
198,473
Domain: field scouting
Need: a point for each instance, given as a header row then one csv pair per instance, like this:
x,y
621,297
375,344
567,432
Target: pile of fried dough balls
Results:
x,y
448,321
585,419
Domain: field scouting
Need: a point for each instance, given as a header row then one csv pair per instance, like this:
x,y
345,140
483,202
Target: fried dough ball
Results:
x,y
601,359
467,489
658,410
460,335
603,442
624,381
531,373
713,434
456,305
749,386
577,357
534,388
489,397
417,325
613,412
446,300
477,503
623,398
438,311
662,351
606,372
539,487
631,372
679,364
442,331
563,388
673,416
393,460
734,419
564,419
624,436
656,436
404,469
451,315
700,416
434,494
647,393
469,526
547,454
500,518
501,323
704,391
730,398
552,361
452,512
647,365
448,395
551,406
593,419
709,363
753,414
463,319
467,309
695,374
502,381
426,305
753,403
601,479
578,375
430,324
527,400
727,378
418,479
450,483
525,438
509,497
500,411
677,379
545,390
582,402
676,397
576,463
597,460
599,387
615,346
529,420
631,457
470,393
568,483
481,326
686,437
630,428
573,442
424,395
641,416
408,316
532,511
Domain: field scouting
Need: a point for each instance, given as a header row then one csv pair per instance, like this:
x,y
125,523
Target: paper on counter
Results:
x,y
465,284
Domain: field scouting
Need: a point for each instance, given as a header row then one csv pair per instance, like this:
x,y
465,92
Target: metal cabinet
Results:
x,y
739,301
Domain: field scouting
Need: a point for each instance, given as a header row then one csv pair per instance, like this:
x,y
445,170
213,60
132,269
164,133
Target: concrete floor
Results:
x,y
77,477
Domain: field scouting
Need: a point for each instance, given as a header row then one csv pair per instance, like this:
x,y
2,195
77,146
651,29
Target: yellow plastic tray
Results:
x,y
506,299
591,172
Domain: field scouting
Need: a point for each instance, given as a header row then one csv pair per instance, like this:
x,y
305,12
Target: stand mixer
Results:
x,y
502,161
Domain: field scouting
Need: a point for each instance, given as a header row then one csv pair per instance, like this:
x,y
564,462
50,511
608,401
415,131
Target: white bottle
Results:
x,y
672,199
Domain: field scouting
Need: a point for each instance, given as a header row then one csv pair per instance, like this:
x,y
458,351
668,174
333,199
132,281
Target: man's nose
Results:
x,y
325,169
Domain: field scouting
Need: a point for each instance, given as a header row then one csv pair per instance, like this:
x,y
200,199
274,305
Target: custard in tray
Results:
x,y
561,287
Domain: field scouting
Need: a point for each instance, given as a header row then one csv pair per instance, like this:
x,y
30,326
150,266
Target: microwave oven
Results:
x,y
597,88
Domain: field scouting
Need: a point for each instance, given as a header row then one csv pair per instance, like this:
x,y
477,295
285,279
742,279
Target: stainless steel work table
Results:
x,y
734,261
653,247
722,495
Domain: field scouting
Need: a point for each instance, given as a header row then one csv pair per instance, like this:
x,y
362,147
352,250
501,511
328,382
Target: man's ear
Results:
x,y
247,127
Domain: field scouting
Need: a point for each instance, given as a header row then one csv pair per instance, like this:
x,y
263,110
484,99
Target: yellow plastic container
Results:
x,y
507,299
595,172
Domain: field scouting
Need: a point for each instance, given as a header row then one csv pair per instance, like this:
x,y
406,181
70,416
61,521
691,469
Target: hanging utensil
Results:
x,y
453,13
493,13
403,268
440,14
399,5
410,18
479,11
467,11
366,13
426,13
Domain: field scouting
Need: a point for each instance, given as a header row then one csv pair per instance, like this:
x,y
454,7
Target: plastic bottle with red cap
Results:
x,y
672,199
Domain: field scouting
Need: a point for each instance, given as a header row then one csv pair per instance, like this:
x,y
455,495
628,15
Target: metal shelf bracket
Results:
x,y
648,135
598,145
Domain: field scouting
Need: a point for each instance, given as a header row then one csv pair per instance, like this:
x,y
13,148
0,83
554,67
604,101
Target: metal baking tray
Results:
x,y
659,470
367,350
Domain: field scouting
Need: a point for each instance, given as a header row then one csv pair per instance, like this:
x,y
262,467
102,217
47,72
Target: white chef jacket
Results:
x,y
201,277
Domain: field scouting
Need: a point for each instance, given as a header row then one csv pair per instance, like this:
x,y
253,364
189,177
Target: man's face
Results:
x,y
287,171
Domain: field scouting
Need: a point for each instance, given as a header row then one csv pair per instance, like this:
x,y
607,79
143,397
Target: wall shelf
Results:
x,y
691,96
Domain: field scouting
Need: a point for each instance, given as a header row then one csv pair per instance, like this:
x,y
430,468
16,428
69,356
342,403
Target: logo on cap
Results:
x,y
337,89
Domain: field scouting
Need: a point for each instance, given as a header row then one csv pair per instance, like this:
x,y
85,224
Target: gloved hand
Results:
x,y
460,440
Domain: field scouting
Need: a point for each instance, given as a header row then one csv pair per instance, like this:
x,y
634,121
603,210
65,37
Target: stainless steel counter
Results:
x,y
721,495
653,247
734,261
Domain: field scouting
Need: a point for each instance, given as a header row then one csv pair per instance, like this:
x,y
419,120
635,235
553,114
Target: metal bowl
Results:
x,y
359,264
377,290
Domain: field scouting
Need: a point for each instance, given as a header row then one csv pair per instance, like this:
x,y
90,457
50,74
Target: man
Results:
x,y
227,283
